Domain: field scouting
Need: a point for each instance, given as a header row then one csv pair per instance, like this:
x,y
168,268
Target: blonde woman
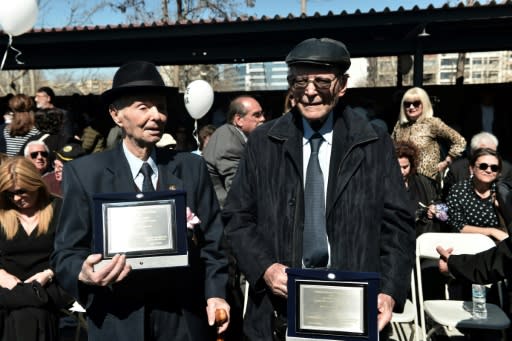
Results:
x,y
29,297
417,124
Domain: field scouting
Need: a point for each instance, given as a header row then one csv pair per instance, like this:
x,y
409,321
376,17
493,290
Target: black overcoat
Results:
x,y
369,222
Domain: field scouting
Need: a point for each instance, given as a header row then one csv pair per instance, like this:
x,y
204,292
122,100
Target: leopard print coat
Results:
x,y
425,133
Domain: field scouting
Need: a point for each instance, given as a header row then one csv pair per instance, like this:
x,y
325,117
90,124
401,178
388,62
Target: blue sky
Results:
x,y
55,12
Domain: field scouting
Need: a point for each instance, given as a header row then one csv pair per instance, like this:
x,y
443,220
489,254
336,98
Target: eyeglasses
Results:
x,y
18,192
33,155
484,166
318,82
415,104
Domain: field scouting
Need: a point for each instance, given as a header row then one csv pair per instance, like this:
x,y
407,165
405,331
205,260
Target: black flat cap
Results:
x,y
323,51
133,78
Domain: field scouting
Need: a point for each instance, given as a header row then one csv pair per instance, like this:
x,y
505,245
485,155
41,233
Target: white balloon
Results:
x,y
18,17
198,98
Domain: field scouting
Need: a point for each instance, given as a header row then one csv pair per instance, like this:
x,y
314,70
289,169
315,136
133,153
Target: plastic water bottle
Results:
x,y
479,307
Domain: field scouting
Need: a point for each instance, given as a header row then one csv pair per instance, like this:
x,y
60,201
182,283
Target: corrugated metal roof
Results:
x,y
252,39
263,18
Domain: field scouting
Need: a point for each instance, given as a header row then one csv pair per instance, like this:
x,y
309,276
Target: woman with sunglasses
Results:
x,y
30,299
473,205
417,124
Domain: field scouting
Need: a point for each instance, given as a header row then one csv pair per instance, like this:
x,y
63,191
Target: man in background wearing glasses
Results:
x,y
38,153
318,187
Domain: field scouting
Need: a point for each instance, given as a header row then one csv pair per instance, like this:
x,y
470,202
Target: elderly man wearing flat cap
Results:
x,y
318,187
152,304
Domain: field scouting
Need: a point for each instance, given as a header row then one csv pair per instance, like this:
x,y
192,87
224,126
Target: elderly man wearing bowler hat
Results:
x,y
318,187
152,304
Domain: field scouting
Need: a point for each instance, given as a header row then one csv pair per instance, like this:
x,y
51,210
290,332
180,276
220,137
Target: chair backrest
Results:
x,y
462,243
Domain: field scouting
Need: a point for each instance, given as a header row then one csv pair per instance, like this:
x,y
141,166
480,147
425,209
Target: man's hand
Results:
x,y
277,279
443,260
115,271
7,280
214,304
385,305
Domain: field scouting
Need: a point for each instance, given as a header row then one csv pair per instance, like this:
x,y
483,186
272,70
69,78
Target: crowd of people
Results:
x,y
319,187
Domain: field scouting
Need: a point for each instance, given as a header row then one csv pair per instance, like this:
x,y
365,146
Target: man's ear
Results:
x,y
343,85
237,120
114,113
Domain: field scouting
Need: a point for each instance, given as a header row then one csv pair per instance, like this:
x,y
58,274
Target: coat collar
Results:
x,y
349,132
121,177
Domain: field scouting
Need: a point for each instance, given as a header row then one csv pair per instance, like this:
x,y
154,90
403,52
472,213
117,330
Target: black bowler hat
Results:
x,y
323,51
133,78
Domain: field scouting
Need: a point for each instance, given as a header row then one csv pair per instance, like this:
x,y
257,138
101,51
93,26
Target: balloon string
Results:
x,y
17,54
9,46
6,51
195,133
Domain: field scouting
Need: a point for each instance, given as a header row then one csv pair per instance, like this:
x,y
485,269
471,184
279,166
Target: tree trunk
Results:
x,y
179,9
165,10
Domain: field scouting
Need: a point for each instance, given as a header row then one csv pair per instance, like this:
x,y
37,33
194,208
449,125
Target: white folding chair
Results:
x,y
408,317
450,313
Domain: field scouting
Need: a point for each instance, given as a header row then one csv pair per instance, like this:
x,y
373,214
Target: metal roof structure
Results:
x,y
249,39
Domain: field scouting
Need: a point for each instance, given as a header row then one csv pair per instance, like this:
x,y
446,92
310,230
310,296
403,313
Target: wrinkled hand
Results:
x,y
277,279
7,280
385,305
42,277
115,271
214,304
443,260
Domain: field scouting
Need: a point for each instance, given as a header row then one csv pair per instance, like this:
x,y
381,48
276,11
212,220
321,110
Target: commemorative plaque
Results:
x,y
149,228
332,305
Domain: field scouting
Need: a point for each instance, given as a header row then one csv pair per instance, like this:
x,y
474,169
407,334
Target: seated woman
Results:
x,y
474,207
30,299
473,203
423,191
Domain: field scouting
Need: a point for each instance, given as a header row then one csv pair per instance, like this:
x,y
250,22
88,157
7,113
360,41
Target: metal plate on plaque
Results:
x,y
149,228
332,305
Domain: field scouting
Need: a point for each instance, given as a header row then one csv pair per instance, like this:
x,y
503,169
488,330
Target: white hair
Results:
x,y
35,143
483,138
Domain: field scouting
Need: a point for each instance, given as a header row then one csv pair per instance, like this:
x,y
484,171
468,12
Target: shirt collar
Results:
x,y
325,130
136,163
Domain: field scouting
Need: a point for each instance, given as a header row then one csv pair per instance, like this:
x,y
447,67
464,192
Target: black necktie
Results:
x,y
315,249
147,184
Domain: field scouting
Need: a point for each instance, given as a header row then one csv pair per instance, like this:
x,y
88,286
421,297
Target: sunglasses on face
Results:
x,y
18,192
34,155
484,166
318,82
415,104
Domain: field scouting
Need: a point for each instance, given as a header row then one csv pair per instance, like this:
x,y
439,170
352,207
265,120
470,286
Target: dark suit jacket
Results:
x,y
117,312
370,224
485,267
